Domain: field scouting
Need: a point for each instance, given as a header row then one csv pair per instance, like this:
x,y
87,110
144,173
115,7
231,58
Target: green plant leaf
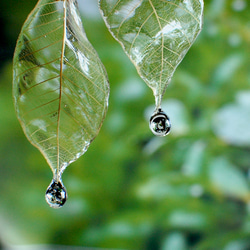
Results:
x,y
228,179
155,34
60,86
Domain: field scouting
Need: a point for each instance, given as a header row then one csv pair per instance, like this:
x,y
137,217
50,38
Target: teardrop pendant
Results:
x,y
160,123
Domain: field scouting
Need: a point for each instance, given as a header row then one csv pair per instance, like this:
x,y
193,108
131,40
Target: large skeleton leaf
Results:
x,y
60,86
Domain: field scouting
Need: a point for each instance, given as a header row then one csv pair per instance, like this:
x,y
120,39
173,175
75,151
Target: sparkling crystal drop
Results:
x,y
159,123
56,194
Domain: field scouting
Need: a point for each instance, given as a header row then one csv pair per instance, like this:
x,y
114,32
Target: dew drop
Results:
x,y
56,194
159,123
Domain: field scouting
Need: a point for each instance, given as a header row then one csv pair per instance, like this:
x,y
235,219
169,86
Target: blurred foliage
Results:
x,y
131,190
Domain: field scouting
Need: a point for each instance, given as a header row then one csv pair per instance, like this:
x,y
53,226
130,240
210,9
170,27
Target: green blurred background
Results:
x,y
131,190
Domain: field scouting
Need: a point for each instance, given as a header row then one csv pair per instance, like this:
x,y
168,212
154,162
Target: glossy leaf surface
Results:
x,y
155,34
60,86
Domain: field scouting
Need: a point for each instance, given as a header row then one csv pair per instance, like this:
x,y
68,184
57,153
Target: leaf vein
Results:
x,y
40,116
41,129
78,104
178,6
118,30
133,42
40,106
83,91
76,121
177,29
84,76
40,65
52,78
45,47
43,24
44,35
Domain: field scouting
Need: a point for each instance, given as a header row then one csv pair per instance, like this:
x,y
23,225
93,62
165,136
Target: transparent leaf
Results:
x,y
155,34
60,86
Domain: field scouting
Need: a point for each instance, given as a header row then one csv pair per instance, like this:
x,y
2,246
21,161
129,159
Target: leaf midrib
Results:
x,y
162,51
60,89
